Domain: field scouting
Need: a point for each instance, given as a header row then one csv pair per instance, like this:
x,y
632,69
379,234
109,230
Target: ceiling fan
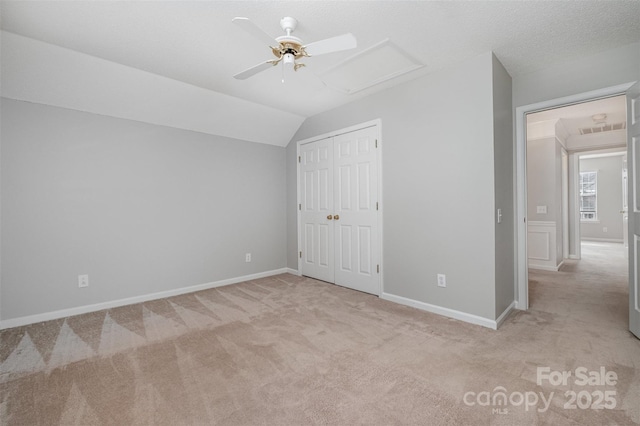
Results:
x,y
288,49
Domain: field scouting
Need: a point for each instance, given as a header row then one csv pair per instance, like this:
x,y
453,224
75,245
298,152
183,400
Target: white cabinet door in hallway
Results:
x,y
339,210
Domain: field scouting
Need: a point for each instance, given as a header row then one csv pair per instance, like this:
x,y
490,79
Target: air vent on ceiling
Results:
x,y
603,128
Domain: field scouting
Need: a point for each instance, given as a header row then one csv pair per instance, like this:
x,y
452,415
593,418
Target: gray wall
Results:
x,y
438,183
544,185
605,69
292,207
609,198
503,186
140,208
541,179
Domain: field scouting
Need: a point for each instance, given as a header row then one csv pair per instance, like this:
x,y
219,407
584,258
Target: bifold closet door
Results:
x,y
339,187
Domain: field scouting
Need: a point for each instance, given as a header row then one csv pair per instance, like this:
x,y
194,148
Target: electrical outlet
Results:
x,y
83,281
604,229
247,257
442,280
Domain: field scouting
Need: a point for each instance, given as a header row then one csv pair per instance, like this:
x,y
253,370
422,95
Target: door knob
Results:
x,y
336,217
329,217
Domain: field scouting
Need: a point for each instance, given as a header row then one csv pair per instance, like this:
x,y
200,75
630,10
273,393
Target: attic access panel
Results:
x,y
372,66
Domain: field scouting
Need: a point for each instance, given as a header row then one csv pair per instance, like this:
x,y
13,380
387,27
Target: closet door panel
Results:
x,y
316,172
355,196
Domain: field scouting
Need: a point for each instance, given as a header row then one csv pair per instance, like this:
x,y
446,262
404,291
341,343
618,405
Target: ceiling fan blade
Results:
x,y
330,45
253,70
254,30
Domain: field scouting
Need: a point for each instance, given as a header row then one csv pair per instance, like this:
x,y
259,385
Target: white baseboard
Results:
x,y
505,314
30,319
552,268
543,268
574,257
293,271
450,313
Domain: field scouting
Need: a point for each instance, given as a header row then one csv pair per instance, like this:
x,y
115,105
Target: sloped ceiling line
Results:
x,y
43,73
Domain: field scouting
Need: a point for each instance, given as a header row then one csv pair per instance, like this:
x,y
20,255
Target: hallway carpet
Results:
x,y
290,350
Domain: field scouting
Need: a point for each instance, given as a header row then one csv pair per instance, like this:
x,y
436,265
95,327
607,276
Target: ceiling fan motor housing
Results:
x,y
288,24
291,45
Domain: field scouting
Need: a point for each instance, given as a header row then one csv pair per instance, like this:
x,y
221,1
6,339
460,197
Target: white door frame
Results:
x,y
522,270
574,178
377,123
565,204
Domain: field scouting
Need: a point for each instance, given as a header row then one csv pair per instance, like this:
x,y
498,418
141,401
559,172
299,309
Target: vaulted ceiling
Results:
x,y
195,42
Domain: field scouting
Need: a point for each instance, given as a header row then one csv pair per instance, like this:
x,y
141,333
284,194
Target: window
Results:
x,y
588,195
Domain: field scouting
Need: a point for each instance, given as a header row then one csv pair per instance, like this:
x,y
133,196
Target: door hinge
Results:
x,y
376,143
300,255
376,205
378,268
299,159
299,206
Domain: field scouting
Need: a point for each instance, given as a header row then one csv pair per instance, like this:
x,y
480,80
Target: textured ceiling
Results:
x,y
195,42
578,116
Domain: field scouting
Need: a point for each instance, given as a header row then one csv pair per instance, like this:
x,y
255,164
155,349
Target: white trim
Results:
x,y
542,237
292,272
522,285
30,319
546,253
503,316
339,132
542,223
574,166
299,209
604,240
380,210
545,267
450,313
634,172
635,271
608,154
373,123
565,203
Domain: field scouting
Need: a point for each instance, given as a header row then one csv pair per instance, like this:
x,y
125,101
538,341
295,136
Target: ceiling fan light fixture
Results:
x,y
288,59
288,48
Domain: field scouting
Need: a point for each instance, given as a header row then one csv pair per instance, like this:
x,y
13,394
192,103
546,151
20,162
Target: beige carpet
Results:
x,y
287,350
